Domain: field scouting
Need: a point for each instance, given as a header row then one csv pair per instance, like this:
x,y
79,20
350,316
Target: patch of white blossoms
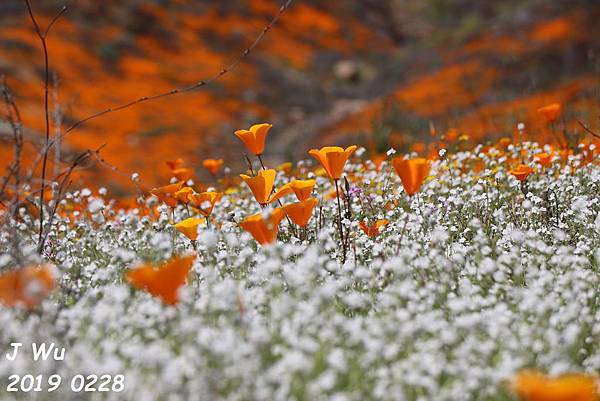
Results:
x,y
472,280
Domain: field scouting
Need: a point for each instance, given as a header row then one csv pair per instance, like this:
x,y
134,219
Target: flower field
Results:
x,y
470,275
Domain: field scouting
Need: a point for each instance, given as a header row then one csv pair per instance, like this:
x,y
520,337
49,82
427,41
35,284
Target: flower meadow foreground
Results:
x,y
471,275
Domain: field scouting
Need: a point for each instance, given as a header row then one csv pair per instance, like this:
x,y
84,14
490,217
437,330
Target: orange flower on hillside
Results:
x,y
412,173
333,159
373,229
162,282
261,186
189,227
534,386
212,165
183,195
204,202
263,228
551,112
254,138
300,212
178,171
175,164
545,159
27,286
521,172
166,193
302,188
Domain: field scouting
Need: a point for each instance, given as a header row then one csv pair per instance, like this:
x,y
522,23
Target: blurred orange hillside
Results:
x,y
374,72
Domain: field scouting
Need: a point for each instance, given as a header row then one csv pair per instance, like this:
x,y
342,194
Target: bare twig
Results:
x,y
588,129
42,37
14,119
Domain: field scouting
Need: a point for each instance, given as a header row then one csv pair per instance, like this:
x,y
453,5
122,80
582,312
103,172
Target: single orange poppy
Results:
x,y
412,173
373,229
263,229
521,172
162,282
212,165
551,112
333,159
534,386
166,193
261,186
300,212
174,164
189,227
254,138
302,188
204,202
183,195
183,173
27,286
545,159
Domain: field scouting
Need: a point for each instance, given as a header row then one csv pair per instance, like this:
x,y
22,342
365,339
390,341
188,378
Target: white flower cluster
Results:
x,y
471,280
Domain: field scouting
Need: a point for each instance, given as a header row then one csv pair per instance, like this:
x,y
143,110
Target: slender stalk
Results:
x,y
340,229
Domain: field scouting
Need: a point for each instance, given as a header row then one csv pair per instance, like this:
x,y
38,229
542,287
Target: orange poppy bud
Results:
x,y
521,172
333,159
189,227
264,230
254,139
212,165
302,188
373,229
551,112
412,173
534,386
205,201
27,286
183,173
545,159
166,193
162,282
261,186
300,212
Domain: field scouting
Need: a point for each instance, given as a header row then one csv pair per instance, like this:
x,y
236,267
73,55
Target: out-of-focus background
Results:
x,y
379,73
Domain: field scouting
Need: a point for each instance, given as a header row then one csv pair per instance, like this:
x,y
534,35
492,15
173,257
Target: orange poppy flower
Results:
x,y
183,195
254,138
373,229
162,282
166,193
212,165
302,188
534,386
300,212
27,286
504,142
551,112
174,164
189,227
412,173
333,159
261,186
183,173
521,172
545,159
204,202
263,230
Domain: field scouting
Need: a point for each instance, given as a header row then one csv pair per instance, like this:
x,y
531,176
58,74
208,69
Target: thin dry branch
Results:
x,y
588,129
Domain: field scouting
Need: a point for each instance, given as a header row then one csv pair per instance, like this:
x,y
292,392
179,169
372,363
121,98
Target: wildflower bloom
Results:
x,y
534,386
373,229
412,173
166,193
545,159
300,212
302,188
212,165
550,112
261,186
333,159
521,172
189,227
254,138
162,282
183,194
174,164
263,228
204,202
27,286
